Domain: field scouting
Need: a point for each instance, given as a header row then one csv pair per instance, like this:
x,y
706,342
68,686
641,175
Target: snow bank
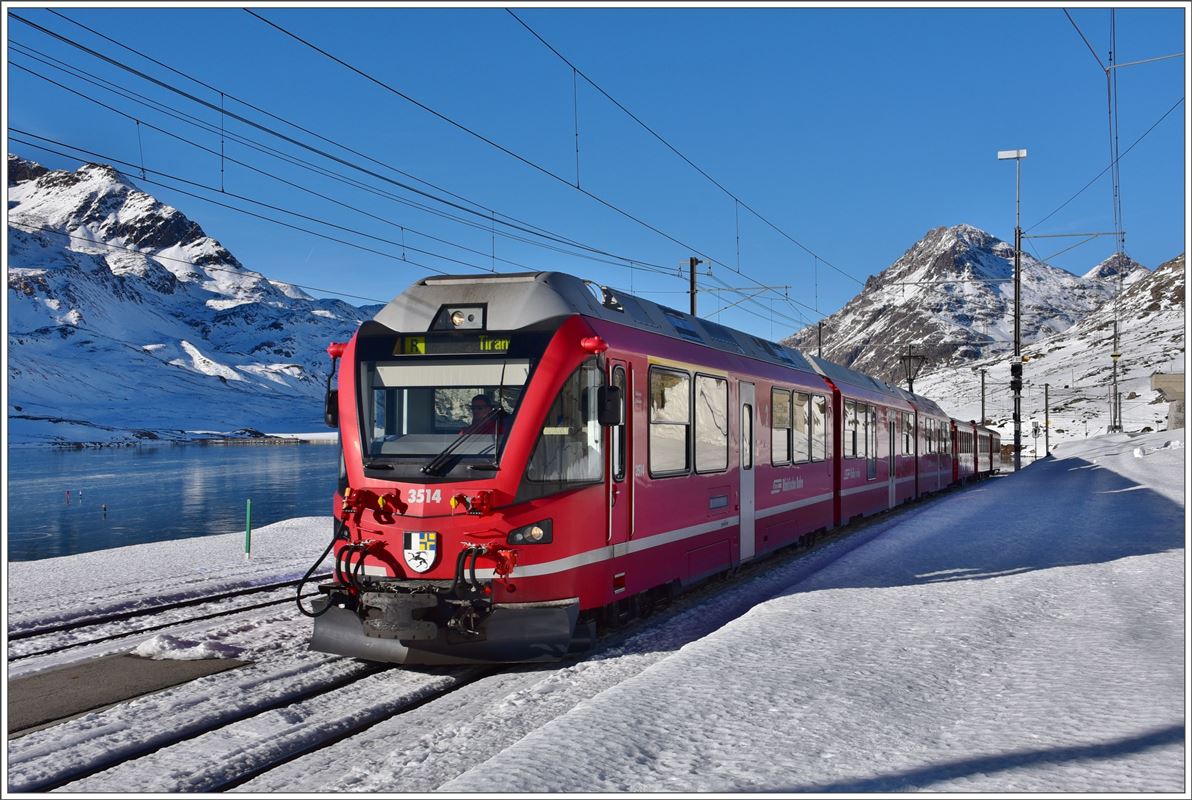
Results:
x,y
172,648
143,575
1026,635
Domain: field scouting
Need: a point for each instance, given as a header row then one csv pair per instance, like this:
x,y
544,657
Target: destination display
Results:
x,y
454,344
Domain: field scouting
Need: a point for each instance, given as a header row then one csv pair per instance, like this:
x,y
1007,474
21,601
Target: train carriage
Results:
x,y
989,446
933,445
964,438
527,456
871,477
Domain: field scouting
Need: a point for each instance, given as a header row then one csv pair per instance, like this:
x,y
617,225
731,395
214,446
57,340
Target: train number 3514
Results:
x,y
424,496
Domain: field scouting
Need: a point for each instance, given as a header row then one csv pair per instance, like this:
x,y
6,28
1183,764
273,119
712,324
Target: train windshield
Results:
x,y
416,410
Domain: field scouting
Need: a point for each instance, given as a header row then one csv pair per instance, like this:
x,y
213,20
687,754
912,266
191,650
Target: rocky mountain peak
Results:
x,y
20,170
950,298
125,316
1118,264
112,209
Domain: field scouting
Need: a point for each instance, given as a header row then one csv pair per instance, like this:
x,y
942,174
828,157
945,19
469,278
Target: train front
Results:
x,y
472,459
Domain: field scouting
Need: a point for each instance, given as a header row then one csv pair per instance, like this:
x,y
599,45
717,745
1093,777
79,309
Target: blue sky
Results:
x,y
855,131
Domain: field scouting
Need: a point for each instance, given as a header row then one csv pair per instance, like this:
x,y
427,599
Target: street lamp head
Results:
x,y
1003,155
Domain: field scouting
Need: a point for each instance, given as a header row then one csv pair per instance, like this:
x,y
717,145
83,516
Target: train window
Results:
x,y
711,424
802,428
871,440
416,409
670,421
780,426
863,423
850,429
908,435
746,436
820,431
569,447
619,432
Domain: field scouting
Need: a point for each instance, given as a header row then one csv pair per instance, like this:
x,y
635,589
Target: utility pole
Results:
x,y
693,264
1046,420
820,352
1016,364
982,396
1115,406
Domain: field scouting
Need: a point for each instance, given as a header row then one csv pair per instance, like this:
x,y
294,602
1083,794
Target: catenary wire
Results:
x,y
134,176
675,150
633,263
403,228
503,220
339,177
538,167
295,125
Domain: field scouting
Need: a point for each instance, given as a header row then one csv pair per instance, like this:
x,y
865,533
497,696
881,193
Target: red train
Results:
x,y
527,456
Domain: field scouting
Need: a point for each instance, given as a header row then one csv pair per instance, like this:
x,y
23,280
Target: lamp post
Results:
x,y
1016,364
911,364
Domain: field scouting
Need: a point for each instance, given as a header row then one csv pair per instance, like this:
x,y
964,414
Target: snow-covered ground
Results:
x,y
1024,634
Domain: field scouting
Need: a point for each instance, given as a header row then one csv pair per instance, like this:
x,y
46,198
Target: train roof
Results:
x,y
923,404
846,377
517,300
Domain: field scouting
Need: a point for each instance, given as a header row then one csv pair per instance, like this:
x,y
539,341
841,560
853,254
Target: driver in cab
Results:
x,y
485,419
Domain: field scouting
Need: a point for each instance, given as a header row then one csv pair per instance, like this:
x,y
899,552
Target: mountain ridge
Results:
x,y
949,297
126,316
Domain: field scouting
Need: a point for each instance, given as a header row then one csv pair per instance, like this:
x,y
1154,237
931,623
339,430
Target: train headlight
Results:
x,y
540,532
459,318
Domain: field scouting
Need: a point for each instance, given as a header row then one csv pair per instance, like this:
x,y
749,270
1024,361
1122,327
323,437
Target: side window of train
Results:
x,y
863,429
850,429
670,421
870,432
802,428
619,432
820,430
780,427
569,450
871,441
711,424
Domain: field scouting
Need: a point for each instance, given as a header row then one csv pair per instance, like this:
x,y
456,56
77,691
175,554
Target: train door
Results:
x,y
915,451
620,478
748,481
953,437
892,430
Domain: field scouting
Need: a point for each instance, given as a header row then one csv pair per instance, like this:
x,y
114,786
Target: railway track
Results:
x,y
334,700
185,729
119,616
21,654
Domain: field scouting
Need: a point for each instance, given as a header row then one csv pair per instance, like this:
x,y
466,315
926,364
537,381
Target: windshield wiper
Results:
x,y
436,464
377,465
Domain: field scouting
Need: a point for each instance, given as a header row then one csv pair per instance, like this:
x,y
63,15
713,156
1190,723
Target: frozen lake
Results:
x,y
157,493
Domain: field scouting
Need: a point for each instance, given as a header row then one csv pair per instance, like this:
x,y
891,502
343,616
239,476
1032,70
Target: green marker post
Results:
x,y
248,530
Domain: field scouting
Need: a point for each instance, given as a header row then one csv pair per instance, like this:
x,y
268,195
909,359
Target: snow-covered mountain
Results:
x,y
951,298
1077,365
126,321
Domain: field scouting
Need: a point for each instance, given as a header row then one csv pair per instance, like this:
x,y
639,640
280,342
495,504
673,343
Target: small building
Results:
x,y
1170,386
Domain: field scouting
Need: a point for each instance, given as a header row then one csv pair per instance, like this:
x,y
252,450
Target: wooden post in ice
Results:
x,y
248,530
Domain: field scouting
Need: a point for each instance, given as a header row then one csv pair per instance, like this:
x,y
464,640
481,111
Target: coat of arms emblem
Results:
x,y
421,550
